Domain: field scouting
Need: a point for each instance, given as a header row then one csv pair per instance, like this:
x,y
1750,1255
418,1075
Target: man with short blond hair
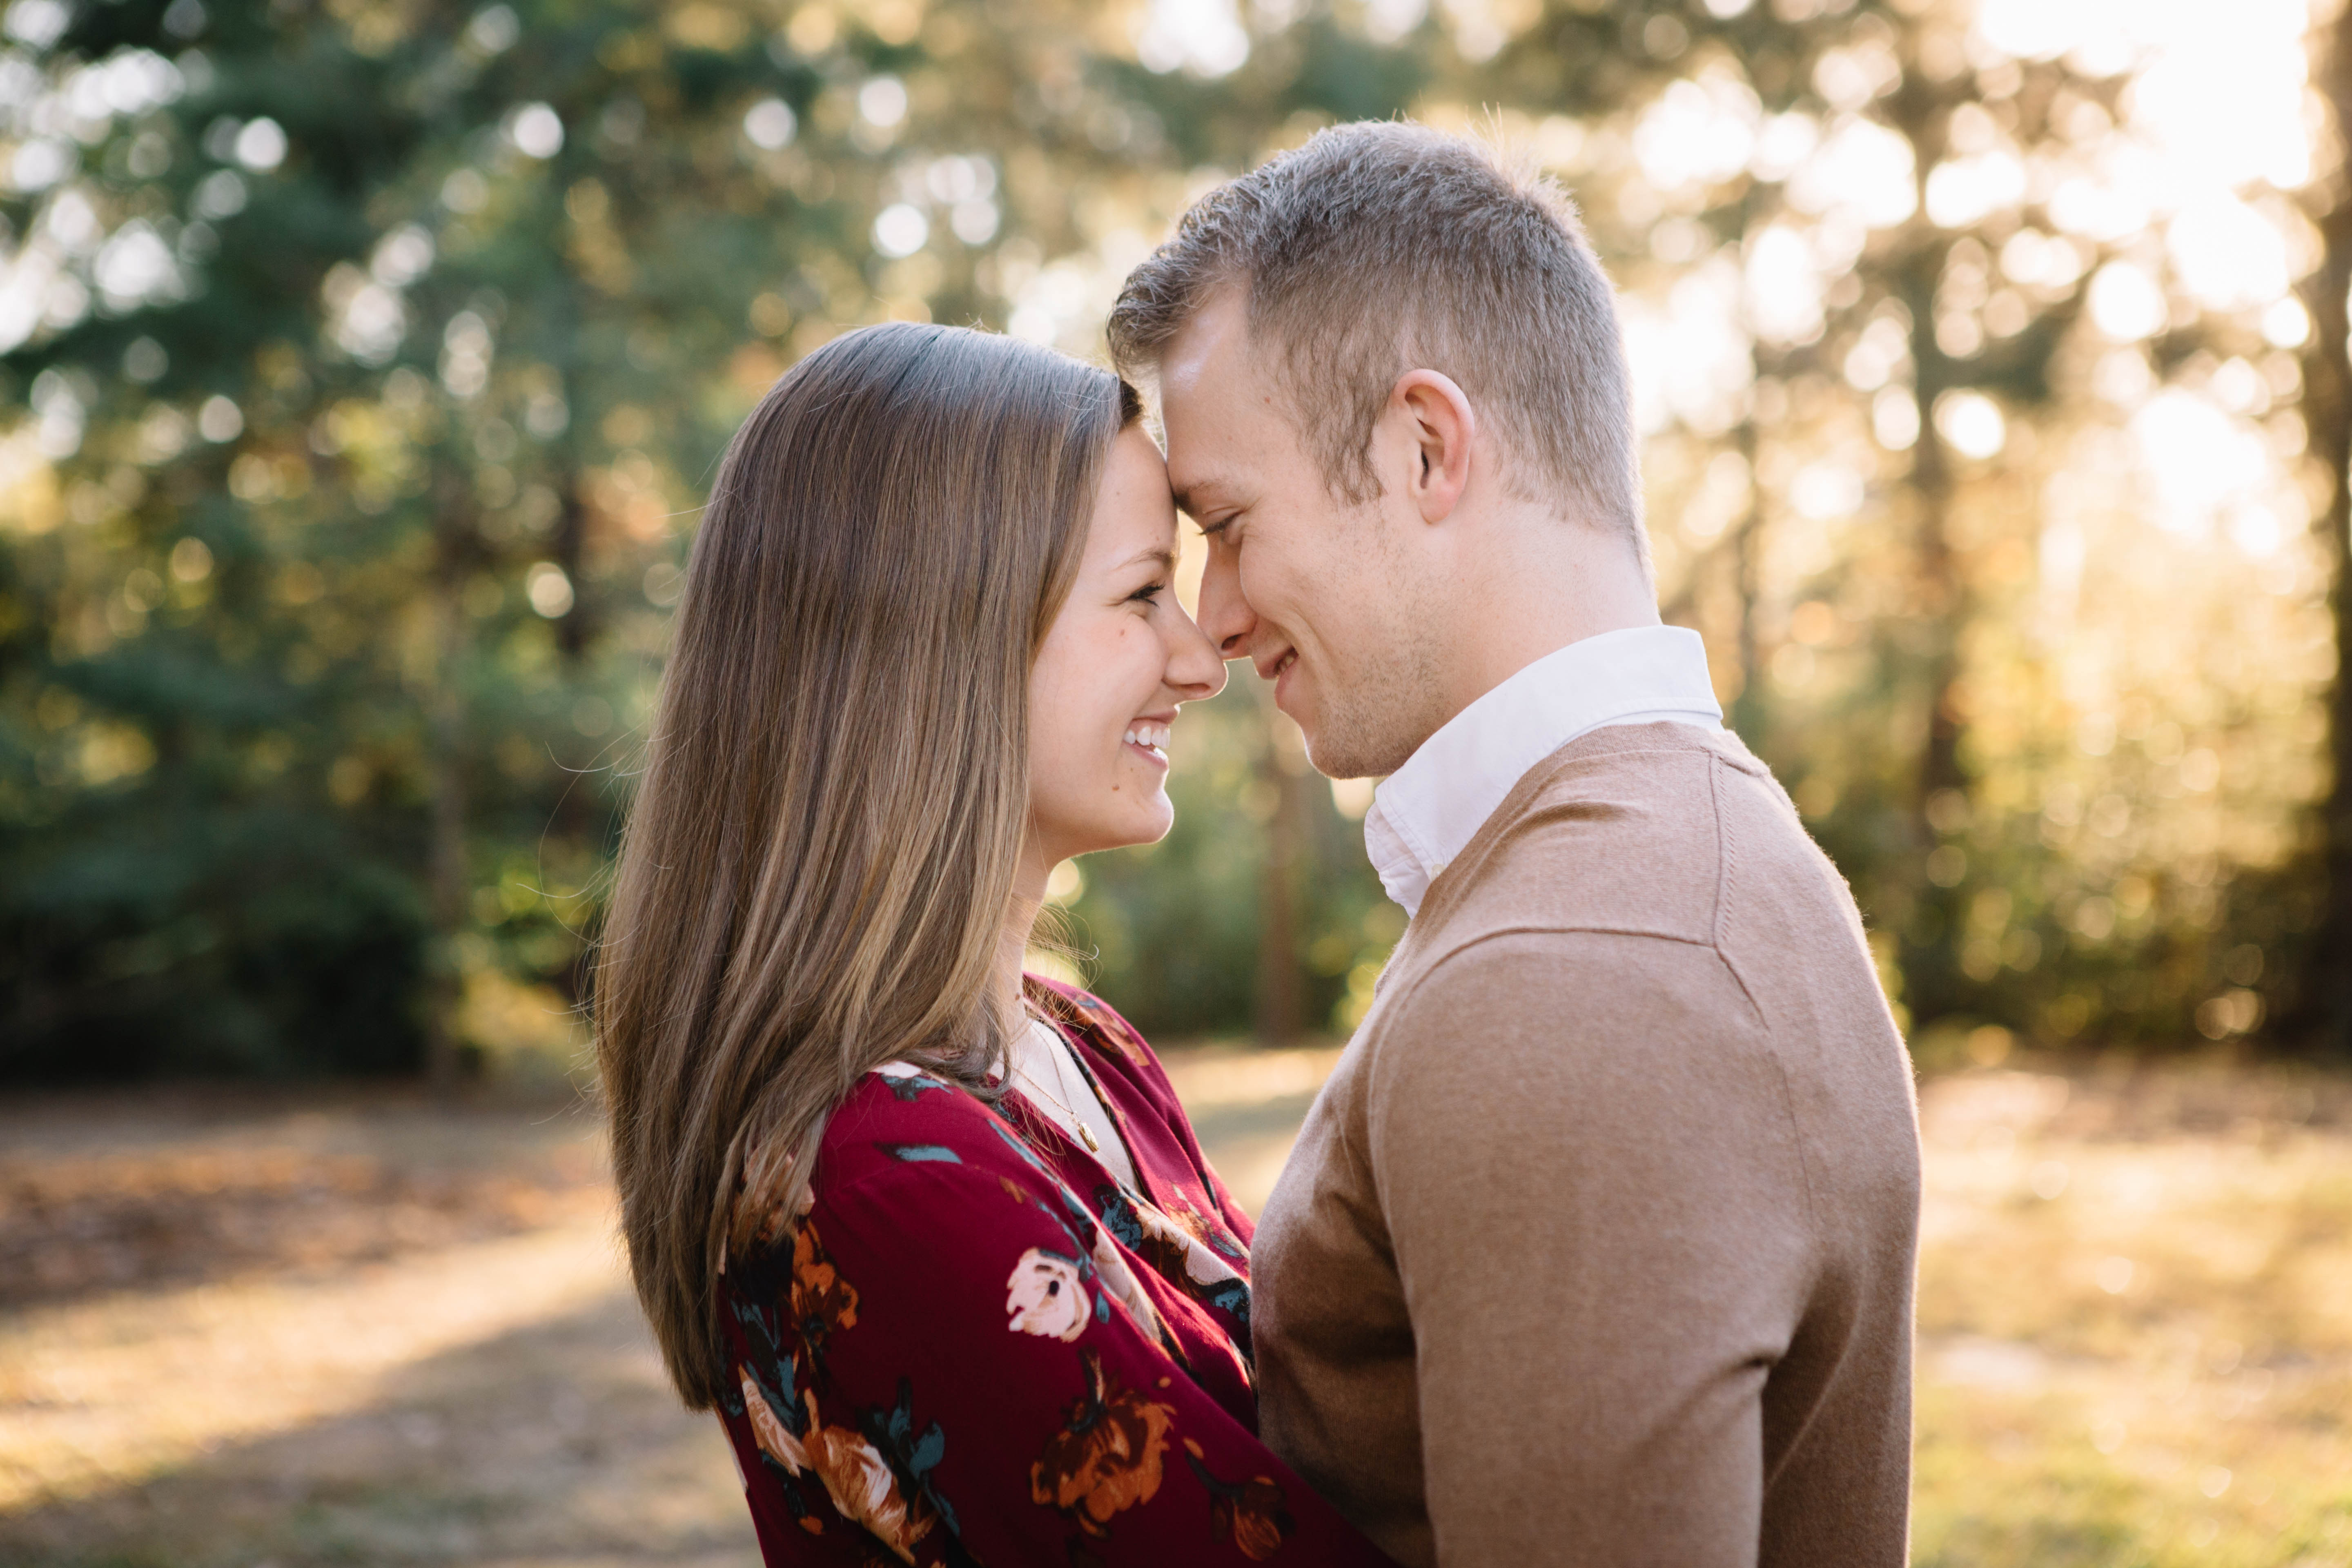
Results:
x,y
1598,1247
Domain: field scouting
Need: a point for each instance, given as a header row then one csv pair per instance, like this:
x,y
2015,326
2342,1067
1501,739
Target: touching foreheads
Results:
x,y
1384,247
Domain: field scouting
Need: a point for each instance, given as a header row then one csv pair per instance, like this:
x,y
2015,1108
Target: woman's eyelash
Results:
x,y
1149,592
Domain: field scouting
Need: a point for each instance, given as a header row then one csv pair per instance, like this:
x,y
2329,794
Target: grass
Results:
x,y
404,1337
2135,1321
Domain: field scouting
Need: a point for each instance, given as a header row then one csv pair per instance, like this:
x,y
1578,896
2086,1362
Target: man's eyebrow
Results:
x,y
1200,494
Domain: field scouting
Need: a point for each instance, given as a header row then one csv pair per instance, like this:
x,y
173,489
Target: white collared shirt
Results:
x,y
1426,812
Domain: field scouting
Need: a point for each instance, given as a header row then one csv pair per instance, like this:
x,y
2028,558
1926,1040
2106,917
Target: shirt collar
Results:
x,y
1426,812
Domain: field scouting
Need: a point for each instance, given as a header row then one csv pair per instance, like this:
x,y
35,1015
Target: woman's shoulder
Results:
x,y
900,1115
907,1148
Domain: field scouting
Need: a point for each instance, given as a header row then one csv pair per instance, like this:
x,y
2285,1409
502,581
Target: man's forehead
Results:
x,y
1208,455
1208,349
1208,387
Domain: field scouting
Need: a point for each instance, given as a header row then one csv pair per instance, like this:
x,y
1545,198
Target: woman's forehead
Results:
x,y
1135,518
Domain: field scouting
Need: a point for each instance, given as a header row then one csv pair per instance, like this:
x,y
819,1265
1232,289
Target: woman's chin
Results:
x,y
1148,824
1148,827
1162,821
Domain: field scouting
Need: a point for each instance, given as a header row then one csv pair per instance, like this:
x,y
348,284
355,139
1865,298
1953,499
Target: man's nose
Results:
x,y
1225,617
1194,672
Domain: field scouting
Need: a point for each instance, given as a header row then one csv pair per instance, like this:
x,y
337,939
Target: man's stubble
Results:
x,y
1375,712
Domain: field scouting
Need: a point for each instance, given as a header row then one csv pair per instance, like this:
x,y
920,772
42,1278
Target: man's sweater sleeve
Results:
x,y
1586,1160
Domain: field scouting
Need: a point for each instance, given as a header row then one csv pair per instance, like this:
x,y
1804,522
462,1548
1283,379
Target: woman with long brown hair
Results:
x,y
933,1237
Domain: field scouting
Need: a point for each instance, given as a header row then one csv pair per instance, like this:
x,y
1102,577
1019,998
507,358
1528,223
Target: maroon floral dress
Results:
x,y
975,1347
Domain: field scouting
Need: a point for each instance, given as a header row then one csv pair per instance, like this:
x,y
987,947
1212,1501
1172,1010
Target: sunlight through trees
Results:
x,y
362,364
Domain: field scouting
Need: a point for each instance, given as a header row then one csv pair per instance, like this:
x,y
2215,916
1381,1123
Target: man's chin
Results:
x,y
1293,701
1331,759
1311,727
1340,750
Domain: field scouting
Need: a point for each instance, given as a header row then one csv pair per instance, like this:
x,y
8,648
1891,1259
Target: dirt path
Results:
x,y
337,1330
343,1328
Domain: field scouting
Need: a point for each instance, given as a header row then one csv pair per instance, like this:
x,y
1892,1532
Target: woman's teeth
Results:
x,y
1150,737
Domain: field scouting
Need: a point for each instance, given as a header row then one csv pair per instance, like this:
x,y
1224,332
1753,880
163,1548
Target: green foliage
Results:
x,y
364,361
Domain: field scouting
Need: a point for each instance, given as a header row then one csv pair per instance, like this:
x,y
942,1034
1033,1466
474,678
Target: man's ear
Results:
x,y
1439,427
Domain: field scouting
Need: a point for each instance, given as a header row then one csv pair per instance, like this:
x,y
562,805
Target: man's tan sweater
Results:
x,y
1598,1247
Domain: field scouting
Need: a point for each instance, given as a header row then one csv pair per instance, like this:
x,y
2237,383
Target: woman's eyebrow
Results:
x,y
1166,559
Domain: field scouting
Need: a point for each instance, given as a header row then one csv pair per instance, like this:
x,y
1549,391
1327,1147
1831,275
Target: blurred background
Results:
x,y
362,363
366,363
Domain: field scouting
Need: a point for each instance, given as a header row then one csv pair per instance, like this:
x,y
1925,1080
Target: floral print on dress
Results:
x,y
1185,1247
862,1488
949,1357
1249,1514
775,1439
1208,1233
1119,1283
1104,1025
908,1082
771,1409
1179,1254
1043,1296
1107,1457
823,1301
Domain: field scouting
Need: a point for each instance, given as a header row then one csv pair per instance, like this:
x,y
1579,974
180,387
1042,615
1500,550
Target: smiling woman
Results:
x,y
933,1237
1121,657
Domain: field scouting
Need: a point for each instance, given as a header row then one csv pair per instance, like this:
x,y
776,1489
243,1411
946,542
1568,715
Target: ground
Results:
x,y
354,1327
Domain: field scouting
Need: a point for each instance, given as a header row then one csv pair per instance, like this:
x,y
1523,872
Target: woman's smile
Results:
x,y
1150,737
1119,659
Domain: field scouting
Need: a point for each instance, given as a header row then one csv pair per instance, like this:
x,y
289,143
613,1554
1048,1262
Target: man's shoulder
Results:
x,y
1616,831
1547,983
1655,900
1638,829
1500,1026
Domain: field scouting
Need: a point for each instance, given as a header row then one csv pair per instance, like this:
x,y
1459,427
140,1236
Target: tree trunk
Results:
x,y
448,878
1747,709
1939,600
573,629
2323,1015
1939,606
1281,990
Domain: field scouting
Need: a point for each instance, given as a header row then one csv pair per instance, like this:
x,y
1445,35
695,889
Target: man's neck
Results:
x,y
1536,607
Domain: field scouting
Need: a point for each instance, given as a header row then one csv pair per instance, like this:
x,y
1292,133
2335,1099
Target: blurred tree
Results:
x,y
365,360
2324,1017
374,353
1939,277
350,305
1866,250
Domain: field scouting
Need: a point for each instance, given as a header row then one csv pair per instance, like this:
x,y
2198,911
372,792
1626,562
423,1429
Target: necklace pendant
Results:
x,y
1088,1133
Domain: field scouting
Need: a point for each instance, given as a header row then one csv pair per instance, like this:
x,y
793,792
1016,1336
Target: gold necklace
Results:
x,y
1094,1144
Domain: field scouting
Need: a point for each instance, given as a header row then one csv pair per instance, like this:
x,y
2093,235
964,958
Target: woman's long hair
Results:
x,y
815,876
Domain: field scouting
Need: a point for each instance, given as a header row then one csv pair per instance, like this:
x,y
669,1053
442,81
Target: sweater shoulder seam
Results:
x,y
1726,866
1443,956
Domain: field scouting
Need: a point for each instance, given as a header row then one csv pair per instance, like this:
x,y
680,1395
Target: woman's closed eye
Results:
x,y
1147,595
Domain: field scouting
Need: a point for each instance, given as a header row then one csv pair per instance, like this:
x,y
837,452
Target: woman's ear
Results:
x,y
1440,426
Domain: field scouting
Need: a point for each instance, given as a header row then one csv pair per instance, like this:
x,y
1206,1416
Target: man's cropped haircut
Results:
x,y
1384,247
